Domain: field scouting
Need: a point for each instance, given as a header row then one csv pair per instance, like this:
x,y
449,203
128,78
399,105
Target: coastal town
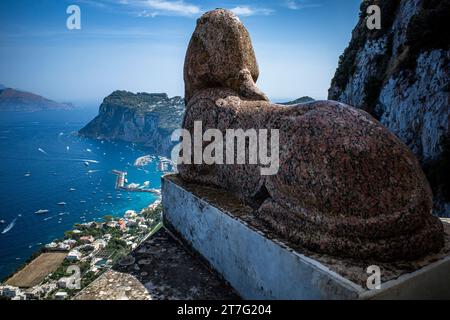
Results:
x,y
64,267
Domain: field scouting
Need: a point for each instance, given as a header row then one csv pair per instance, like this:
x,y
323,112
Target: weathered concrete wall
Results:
x,y
255,266
261,268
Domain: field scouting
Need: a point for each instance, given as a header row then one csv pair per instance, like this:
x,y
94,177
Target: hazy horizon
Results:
x,y
139,46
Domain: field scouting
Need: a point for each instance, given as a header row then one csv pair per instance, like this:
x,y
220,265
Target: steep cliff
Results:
x,y
400,74
143,118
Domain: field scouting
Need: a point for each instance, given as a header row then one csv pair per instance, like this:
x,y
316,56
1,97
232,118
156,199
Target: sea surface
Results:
x,y
43,162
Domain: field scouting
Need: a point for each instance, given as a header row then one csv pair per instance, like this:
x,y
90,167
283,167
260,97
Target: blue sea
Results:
x,y
43,162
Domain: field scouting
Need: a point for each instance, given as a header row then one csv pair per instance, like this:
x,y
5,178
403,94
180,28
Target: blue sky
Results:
x,y
139,45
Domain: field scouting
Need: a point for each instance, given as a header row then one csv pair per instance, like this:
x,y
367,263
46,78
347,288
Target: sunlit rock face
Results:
x,y
147,119
400,75
346,186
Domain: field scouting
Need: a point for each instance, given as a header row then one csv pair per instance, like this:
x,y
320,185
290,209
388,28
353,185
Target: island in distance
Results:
x,y
147,119
12,100
298,101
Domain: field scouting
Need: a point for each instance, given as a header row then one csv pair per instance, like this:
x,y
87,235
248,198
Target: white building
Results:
x,y
70,242
112,224
143,226
51,246
63,246
99,244
130,214
61,295
9,292
20,296
88,224
87,239
74,255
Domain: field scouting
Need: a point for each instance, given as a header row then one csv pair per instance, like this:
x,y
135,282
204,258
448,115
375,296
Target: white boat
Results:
x,y
62,204
86,164
42,211
72,189
2,222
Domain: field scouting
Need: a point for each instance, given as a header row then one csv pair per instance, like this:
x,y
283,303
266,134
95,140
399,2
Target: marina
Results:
x,y
132,187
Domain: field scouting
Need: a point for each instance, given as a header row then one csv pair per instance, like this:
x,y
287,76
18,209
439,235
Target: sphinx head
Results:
x,y
221,55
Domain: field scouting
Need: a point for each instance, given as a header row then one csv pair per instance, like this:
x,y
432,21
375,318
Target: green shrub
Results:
x,y
360,36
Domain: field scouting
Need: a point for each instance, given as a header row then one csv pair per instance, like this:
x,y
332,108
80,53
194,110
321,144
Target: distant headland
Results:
x,y
13,100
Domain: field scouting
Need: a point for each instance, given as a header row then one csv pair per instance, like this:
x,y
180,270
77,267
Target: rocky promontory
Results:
x,y
12,100
301,100
147,119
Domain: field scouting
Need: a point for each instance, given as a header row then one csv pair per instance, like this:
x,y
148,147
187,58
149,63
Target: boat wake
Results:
x,y
9,226
87,160
56,216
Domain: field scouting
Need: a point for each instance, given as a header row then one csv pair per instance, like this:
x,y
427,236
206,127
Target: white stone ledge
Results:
x,y
261,268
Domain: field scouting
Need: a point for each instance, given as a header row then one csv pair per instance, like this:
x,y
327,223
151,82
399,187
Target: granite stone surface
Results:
x,y
346,186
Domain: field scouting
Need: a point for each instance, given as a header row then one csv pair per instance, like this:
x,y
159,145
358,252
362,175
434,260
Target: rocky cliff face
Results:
x,y
400,74
143,118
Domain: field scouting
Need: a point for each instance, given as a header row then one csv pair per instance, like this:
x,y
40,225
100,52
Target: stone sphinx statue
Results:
x,y
346,186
